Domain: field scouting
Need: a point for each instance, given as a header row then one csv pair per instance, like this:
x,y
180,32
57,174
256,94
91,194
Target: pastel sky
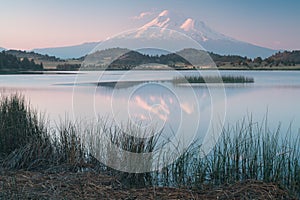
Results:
x,y
28,24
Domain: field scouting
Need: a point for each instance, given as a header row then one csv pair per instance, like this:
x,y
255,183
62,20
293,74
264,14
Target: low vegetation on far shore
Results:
x,y
213,79
246,151
16,61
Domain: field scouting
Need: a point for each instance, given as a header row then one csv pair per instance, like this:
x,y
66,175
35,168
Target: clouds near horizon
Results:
x,y
143,15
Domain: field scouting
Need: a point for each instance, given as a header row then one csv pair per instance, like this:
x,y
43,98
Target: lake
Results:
x,y
148,99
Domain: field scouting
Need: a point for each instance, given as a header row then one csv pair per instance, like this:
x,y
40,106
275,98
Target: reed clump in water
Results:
x,y
213,79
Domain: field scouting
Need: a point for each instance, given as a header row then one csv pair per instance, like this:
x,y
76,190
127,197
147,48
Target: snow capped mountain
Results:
x,y
2,49
208,38
198,29
188,25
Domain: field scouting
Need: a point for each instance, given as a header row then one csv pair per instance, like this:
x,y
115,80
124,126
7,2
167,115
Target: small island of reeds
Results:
x,y
213,79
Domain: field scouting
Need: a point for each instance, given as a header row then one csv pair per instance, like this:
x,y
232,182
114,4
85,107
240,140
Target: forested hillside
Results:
x,y
10,63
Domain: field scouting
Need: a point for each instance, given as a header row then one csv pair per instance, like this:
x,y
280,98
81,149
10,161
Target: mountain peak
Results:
x,y
194,28
164,13
209,39
188,25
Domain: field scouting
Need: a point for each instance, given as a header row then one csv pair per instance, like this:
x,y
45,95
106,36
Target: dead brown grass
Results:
x,y
89,185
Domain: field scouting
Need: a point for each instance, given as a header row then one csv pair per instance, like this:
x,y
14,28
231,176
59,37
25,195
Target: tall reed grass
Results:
x,y
19,124
247,150
213,79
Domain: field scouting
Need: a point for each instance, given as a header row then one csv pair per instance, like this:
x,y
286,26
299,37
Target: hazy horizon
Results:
x,y
32,24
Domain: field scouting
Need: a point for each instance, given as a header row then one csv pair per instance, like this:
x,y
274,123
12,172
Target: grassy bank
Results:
x,y
245,151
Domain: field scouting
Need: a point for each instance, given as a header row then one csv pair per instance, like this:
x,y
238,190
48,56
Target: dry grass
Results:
x,y
88,185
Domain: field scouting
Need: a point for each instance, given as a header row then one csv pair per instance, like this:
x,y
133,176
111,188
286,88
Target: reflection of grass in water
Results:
x,y
212,79
245,151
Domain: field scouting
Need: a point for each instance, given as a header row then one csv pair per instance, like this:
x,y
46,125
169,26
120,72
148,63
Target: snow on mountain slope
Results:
x,y
189,26
208,38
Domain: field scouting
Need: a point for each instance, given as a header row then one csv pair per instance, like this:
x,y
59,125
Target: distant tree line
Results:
x,y
180,60
9,63
15,60
132,59
288,58
285,58
36,56
68,67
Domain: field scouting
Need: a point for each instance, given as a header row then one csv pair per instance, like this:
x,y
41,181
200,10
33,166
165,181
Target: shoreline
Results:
x,y
51,72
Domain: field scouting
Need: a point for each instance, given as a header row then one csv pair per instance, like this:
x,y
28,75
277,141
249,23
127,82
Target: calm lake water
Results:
x,y
125,96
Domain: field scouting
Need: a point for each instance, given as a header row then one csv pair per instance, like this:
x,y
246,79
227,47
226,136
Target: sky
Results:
x,y
29,24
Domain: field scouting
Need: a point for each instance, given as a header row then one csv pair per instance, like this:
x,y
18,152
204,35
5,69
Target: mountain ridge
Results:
x,y
126,59
74,51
